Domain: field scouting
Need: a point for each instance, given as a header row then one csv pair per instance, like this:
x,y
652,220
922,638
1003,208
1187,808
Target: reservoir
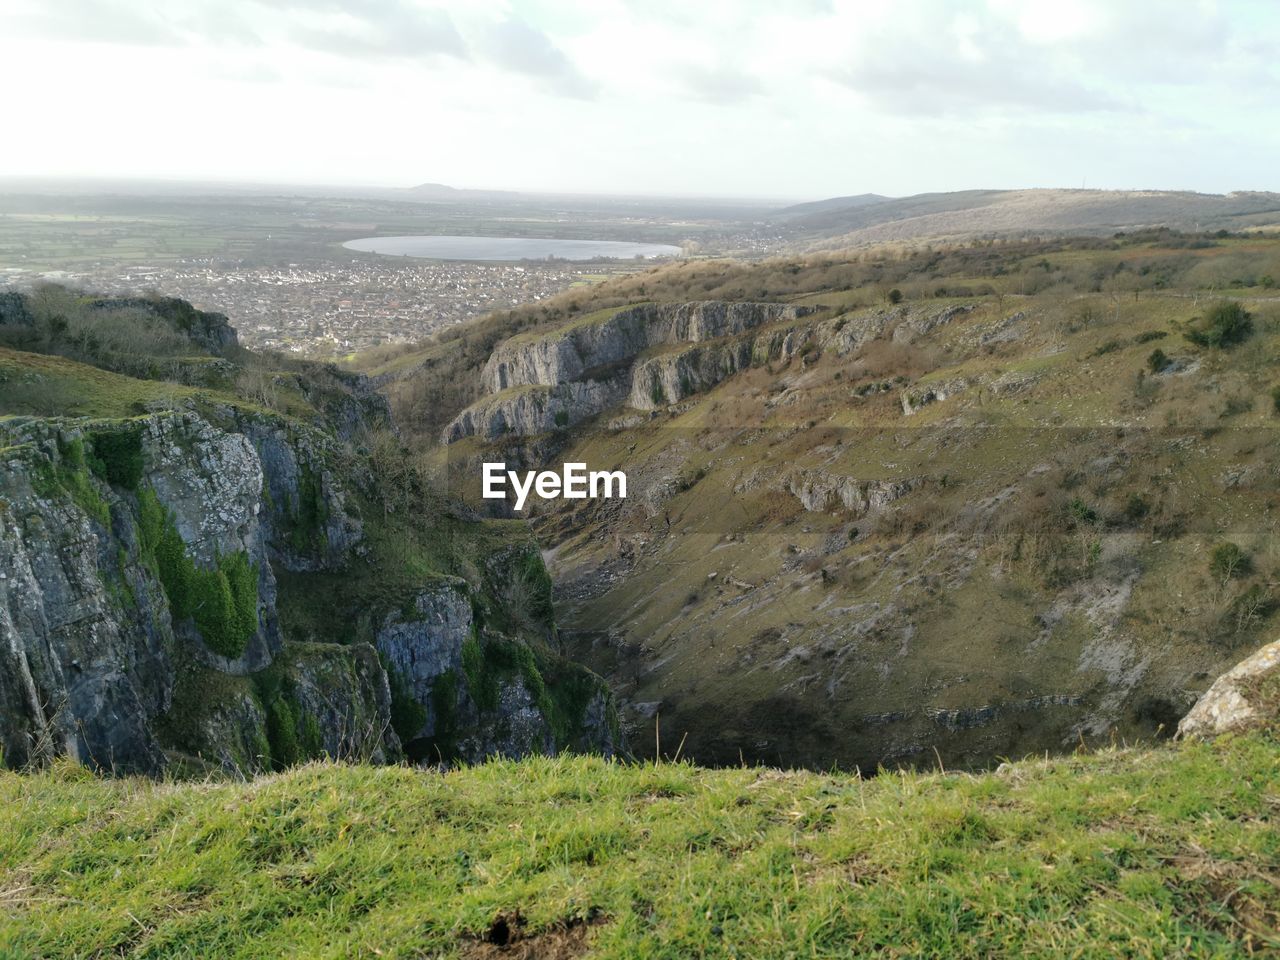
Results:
x,y
508,248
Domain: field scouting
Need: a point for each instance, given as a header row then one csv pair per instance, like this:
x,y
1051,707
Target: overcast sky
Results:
x,y
800,99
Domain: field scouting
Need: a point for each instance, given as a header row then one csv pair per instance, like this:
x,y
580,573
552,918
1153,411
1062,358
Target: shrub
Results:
x,y
1148,335
1226,324
1275,398
407,715
1228,562
1136,507
117,457
895,296
562,418
657,393
282,733
1080,512
1157,361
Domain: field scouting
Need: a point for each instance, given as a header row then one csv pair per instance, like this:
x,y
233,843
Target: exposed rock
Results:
x,y
310,522
425,641
819,491
537,383
343,690
912,328
918,396
525,411
1243,697
567,354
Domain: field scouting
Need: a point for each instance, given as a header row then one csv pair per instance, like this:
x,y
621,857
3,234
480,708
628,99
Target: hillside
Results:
x,y
1025,502
219,561
869,219
1159,852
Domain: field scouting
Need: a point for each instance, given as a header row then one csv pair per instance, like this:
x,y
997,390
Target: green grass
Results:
x,y
1169,851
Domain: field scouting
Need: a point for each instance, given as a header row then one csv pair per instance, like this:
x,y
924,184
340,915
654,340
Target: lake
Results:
x,y
508,248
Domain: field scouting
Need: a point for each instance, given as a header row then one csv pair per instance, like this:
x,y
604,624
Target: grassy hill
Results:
x,y
867,219
1124,852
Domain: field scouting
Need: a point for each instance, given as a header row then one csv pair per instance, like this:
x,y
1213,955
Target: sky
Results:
x,y
789,99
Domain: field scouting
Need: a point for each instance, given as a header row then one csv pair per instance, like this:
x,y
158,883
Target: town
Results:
x,y
324,308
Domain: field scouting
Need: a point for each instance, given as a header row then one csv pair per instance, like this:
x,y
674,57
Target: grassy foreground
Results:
x,y
1152,853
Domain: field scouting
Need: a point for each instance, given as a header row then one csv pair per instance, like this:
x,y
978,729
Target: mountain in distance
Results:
x,y
869,219
442,191
831,205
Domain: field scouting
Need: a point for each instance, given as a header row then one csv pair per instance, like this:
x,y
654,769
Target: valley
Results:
x,y
900,512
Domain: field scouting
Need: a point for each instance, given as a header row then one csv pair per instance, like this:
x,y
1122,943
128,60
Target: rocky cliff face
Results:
x,y
652,356
139,611
135,552
538,383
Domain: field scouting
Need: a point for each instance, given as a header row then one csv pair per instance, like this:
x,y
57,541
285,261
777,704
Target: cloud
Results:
x,y
368,29
930,60
719,84
514,45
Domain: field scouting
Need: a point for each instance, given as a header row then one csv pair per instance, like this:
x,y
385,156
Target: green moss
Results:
x,y
311,739
567,690
223,601
656,393
308,513
561,690
282,733
444,704
200,694
70,477
481,680
540,592
407,715
117,456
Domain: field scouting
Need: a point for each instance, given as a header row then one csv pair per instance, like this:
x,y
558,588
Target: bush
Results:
x,y
1275,398
1228,562
1157,361
895,296
1226,324
1111,346
282,734
117,457
1081,513
1136,507
407,715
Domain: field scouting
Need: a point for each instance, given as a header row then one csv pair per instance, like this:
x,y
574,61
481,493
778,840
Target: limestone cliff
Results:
x,y
214,584
645,356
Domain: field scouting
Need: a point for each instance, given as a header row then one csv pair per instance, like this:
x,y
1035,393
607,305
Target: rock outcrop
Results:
x,y
651,356
1246,696
540,382
140,622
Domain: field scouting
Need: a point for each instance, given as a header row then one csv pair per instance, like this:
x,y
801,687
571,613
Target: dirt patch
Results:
x,y
510,938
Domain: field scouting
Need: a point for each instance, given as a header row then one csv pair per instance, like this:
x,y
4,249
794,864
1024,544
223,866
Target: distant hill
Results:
x,y
847,221
835,205
442,191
